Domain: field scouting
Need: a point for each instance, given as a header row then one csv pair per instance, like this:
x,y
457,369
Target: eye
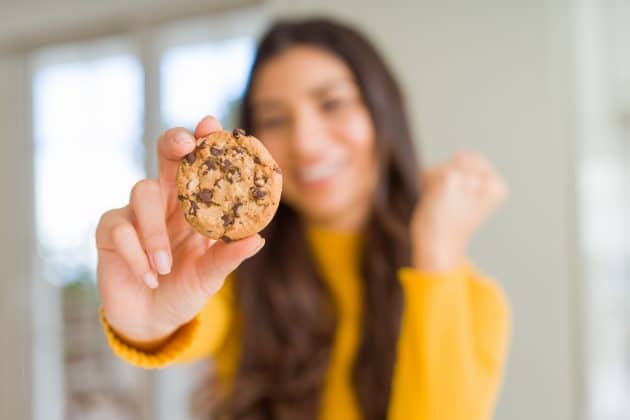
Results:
x,y
270,123
332,104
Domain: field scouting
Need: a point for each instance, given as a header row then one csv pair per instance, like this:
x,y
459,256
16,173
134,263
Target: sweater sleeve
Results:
x,y
452,346
199,338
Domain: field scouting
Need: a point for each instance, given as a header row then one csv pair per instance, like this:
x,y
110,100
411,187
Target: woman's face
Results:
x,y
309,113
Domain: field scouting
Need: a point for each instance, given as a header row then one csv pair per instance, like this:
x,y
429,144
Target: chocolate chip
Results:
x,y
257,160
190,158
237,132
227,220
215,151
232,174
257,193
193,208
235,208
210,164
226,239
277,170
226,165
202,144
181,197
205,195
239,150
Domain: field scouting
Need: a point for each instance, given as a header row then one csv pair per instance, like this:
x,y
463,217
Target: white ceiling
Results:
x,y
25,23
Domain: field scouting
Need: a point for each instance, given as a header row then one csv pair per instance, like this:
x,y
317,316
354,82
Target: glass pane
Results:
x,y
87,128
202,79
604,183
87,125
607,271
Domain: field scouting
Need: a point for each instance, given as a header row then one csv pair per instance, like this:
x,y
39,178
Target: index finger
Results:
x,y
207,125
176,143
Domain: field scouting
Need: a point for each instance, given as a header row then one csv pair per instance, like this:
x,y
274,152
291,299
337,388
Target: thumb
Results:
x,y
223,258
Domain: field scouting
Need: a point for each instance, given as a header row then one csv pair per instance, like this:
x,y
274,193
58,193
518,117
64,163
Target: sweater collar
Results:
x,y
333,247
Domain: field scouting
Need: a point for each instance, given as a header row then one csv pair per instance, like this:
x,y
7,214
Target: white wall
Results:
x,y
16,236
492,76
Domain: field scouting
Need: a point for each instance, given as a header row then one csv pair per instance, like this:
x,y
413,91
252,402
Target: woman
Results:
x,y
361,304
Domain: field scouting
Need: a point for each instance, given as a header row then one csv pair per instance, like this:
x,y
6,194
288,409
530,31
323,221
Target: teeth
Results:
x,y
321,171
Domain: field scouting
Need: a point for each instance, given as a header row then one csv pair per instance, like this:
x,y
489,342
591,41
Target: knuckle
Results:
x,y
463,157
104,223
460,153
451,176
104,219
155,238
143,187
121,233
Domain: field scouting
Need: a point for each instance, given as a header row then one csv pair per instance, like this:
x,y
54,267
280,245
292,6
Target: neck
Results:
x,y
349,221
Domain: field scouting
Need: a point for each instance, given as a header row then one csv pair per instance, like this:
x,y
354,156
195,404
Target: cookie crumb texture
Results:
x,y
229,186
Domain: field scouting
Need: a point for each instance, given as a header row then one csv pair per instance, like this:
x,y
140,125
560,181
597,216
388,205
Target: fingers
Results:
x,y
176,143
206,126
472,163
138,233
223,258
172,146
149,216
116,233
479,175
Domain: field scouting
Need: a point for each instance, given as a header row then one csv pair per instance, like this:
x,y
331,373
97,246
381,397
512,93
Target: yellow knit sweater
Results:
x,y
451,348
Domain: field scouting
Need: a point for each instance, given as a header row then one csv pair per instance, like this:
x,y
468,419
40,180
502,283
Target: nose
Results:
x,y
309,136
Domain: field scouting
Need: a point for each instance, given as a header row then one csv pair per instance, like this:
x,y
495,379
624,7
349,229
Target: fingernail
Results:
x,y
260,245
162,262
183,139
150,280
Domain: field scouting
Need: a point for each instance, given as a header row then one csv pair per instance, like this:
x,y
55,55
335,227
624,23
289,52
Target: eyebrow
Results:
x,y
331,85
316,92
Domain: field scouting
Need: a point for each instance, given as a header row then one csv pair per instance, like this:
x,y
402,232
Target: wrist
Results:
x,y
145,344
149,339
436,257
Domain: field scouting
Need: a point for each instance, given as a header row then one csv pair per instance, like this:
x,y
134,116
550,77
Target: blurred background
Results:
x,y
540,86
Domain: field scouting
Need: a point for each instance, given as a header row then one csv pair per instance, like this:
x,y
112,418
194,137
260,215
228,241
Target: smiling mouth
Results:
x,y
320,171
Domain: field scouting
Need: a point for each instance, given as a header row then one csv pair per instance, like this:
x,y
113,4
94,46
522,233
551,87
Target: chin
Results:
x,y
325,211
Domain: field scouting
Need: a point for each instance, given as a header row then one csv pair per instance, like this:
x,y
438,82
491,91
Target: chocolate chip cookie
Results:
x,y
229,186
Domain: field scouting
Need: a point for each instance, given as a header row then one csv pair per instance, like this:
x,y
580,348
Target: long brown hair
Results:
x,y
287,318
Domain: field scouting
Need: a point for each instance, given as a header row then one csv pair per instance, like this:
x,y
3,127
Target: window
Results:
x,y
88,142
607,291
87,127
90,116
206,78
604,202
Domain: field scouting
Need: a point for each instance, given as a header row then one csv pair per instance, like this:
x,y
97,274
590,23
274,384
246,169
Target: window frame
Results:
x,y
148,42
